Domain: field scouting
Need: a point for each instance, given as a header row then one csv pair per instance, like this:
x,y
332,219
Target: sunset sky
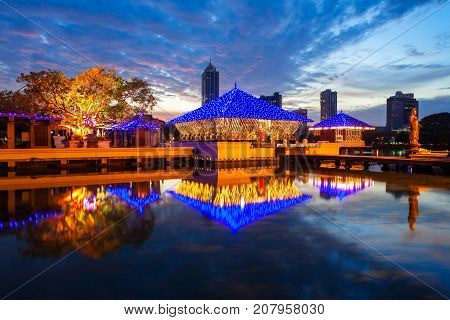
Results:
x,y
365,50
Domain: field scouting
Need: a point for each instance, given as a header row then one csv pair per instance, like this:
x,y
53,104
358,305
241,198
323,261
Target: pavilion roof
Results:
x,y
138,123
341,120
238,104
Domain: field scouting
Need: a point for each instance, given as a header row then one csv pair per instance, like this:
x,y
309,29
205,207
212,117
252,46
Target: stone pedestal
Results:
x,y
413,149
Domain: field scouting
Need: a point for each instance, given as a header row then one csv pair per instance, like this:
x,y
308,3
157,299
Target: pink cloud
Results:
x,y
25,34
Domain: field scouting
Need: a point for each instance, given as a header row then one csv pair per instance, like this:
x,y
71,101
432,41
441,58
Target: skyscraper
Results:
x,y
210,84
328,104
399,109
275,99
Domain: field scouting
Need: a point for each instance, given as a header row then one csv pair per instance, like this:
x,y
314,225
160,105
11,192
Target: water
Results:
x,y
236,233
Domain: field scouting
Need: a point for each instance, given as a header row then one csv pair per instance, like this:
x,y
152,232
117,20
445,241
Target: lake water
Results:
x,y
238,233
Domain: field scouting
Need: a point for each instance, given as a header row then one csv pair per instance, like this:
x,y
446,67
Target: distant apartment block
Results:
x,y
399,109
328,104
275,99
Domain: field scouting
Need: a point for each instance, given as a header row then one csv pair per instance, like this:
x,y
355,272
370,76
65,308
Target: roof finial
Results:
x,y
209,59
235,85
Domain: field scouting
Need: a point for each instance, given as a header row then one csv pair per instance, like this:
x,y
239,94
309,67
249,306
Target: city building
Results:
x,y
399,109
328,104
276,99
210,84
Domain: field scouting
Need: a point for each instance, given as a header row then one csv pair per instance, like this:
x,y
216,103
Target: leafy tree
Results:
x,y
435,131
16,101
93,98
48,89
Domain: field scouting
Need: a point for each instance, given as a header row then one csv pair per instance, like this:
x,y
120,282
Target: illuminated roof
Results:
x,y
341,120
239,104
125,194
238,216
340,187
139,123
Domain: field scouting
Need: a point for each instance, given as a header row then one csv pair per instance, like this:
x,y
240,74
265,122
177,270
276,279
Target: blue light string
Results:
x,y
139,123
35,219
326,188
341,120
239,104
236,216
125,194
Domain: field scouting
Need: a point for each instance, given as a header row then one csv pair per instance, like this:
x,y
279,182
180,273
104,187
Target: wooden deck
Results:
x,y
418,163
51,154
52,181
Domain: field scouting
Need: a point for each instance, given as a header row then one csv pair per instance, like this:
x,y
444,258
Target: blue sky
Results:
x,y
295,47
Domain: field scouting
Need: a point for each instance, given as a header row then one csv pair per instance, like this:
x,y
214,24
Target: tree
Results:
x,y
138,94
47,89
16,101
435,131
96,97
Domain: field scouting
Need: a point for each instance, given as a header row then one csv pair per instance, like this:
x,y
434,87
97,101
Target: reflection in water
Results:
x,y
138,195
295,254
413,207
339,186
14,224
237,205
90,219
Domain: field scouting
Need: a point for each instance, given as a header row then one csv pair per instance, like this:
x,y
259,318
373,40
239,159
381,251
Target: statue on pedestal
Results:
x,y
414,132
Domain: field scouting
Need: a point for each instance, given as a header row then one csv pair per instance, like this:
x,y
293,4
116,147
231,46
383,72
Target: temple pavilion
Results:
x,y
237,116
340,128
140,131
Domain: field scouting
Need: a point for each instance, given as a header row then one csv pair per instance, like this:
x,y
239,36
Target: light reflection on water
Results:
x,y
179,239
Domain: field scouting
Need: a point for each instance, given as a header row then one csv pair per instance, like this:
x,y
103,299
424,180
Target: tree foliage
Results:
x,y
93,98
435,131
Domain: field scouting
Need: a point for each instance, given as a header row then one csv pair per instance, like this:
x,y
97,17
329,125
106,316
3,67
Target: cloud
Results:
x,y
266,46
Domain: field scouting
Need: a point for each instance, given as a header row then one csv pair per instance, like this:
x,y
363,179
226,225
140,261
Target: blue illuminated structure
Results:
x,y
35,218
341,121
236,216
125,194
241,105
339,187
139,123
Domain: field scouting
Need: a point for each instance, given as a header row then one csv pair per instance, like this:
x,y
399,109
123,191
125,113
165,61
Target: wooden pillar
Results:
x,y
32,137
148,138
49,134
136,137
115,142
11,201
10,134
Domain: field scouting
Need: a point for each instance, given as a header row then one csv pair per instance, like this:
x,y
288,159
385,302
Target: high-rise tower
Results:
x,y
210,84
328,104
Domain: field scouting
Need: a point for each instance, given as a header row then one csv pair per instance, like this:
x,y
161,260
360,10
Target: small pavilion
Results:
x,y
340,128
138,132
21,130
237,116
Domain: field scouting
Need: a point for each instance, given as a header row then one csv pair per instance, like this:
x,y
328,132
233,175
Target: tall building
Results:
x,y
210,84
328,104
275,99
399,109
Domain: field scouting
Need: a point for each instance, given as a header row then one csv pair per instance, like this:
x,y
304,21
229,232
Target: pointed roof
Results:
x,y
341,120
140,123
125,194
239,104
